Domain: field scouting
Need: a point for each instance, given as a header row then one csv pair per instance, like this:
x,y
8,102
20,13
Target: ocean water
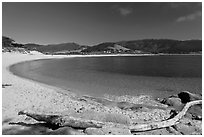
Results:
x,y
159,76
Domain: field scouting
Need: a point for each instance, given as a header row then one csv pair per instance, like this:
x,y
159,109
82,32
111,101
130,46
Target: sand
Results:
x,y
24,94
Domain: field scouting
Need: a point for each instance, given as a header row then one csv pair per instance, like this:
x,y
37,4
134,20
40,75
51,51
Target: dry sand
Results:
x,y
25,94
36,97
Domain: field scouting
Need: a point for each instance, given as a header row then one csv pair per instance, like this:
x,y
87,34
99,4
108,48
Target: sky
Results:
x,y
94,23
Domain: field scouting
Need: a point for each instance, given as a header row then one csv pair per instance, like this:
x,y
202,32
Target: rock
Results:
x,y
162,131
107,131
181,99
187,96
195,111
66,131
94,131
124,105
174,102
188,126
185,129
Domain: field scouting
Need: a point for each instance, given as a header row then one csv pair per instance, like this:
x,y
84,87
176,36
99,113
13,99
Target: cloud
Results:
x,y
189,17
124,11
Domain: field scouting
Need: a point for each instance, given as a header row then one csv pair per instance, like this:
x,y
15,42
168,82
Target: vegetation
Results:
x,y
9,45
8,42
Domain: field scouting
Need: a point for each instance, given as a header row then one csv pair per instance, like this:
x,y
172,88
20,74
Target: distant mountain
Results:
x,y
164,45
58,47
135,46
32,46
149,46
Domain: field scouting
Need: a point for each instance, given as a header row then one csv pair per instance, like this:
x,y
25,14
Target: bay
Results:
x,y
158,76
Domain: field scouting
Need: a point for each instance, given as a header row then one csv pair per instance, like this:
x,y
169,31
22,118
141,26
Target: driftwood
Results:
x,y
62,121
5,85
166,123
65,120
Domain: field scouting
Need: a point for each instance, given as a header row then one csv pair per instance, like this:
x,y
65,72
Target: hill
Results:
x,y
164,45
32,46
106,47
8,42
154,46
149,46
56,48
9,45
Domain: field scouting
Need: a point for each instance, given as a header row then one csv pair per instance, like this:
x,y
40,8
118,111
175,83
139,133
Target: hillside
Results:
x,y
9,45
8,42
32,46
164,45
56,48
108,46
149,46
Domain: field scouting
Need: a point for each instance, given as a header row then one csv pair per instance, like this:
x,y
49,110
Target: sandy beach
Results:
x,y
101,68
23,94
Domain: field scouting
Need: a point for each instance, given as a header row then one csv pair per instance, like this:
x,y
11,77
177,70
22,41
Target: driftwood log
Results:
x,y
166,123
61,121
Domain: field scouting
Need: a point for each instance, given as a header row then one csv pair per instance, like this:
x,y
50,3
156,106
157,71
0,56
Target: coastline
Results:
x,y
92,83
24,94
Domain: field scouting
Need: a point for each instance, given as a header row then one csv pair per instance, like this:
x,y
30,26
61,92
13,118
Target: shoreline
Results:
x,y
25,94
34,57
106,55
102,87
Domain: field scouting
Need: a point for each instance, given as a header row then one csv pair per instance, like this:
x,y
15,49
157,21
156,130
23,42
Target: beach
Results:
x,y
23,94
101,68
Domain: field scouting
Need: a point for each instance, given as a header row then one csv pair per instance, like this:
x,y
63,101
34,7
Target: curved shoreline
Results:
x,y
55,88
25,94
31,57
47,57
73,81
